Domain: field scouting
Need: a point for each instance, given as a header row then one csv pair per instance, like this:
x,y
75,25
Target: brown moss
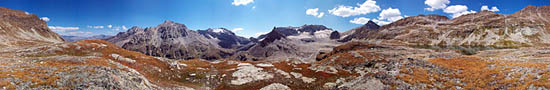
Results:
x,y
8,85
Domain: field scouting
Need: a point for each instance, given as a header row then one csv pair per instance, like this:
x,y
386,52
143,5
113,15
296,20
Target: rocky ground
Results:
x,y
96,64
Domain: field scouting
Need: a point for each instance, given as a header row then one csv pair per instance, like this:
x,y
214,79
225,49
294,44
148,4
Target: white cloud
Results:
x,y
27,13
314,12
494,8
109,26
457,10
241,2
360,20
62,29
253,7
321,15
388,16
45,19
96,27
436,4
237,29
76,33
368,6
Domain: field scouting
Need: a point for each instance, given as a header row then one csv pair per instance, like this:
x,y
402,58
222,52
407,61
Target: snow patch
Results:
x,y
218,30
264,65
305,79
301,36
276,86
282,73
323,33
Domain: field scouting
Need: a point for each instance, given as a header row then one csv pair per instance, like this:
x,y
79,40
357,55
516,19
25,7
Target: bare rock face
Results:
x,y
284,43
370,26
227,39
18,28
176,41
528,27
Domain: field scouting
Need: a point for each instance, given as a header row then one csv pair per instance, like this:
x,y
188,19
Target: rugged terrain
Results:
x,y
367,62
283,43
18,28
176,41
527,27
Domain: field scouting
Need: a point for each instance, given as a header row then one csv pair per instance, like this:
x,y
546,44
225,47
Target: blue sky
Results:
x,y
247,17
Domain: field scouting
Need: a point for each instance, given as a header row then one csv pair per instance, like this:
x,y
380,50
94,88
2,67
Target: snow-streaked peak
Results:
x,y
218,30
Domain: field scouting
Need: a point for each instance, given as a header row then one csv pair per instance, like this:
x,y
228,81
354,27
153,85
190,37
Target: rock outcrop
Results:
x,y
18,28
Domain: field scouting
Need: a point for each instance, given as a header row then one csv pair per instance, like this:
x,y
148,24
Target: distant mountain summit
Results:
x,y
358,32
176,41
528,27
227,39
78,38
284,43
18,28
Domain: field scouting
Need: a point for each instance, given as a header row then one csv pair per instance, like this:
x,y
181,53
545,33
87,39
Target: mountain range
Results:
x,y
175,41
309,57
78,38
527,27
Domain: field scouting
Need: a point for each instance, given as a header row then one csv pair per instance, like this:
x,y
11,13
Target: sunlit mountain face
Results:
x,y
274,45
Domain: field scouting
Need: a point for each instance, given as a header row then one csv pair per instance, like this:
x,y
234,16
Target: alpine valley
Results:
x,y
476,51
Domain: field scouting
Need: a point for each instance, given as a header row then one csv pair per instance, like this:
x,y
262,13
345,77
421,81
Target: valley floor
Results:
x,y
96,64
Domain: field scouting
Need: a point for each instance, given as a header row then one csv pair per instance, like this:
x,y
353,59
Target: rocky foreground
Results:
x,y
96,64
44,61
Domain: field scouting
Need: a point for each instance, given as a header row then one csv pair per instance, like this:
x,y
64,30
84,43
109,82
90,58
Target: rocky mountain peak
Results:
x,y
169,23
271,37
371,25
220,31
312,28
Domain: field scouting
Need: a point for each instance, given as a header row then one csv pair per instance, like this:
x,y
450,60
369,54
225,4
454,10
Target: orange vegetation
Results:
x,y
475,73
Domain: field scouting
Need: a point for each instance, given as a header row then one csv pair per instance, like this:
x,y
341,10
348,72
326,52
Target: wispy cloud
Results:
x,y
76,33
62,29
96,27
237,29
241,2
